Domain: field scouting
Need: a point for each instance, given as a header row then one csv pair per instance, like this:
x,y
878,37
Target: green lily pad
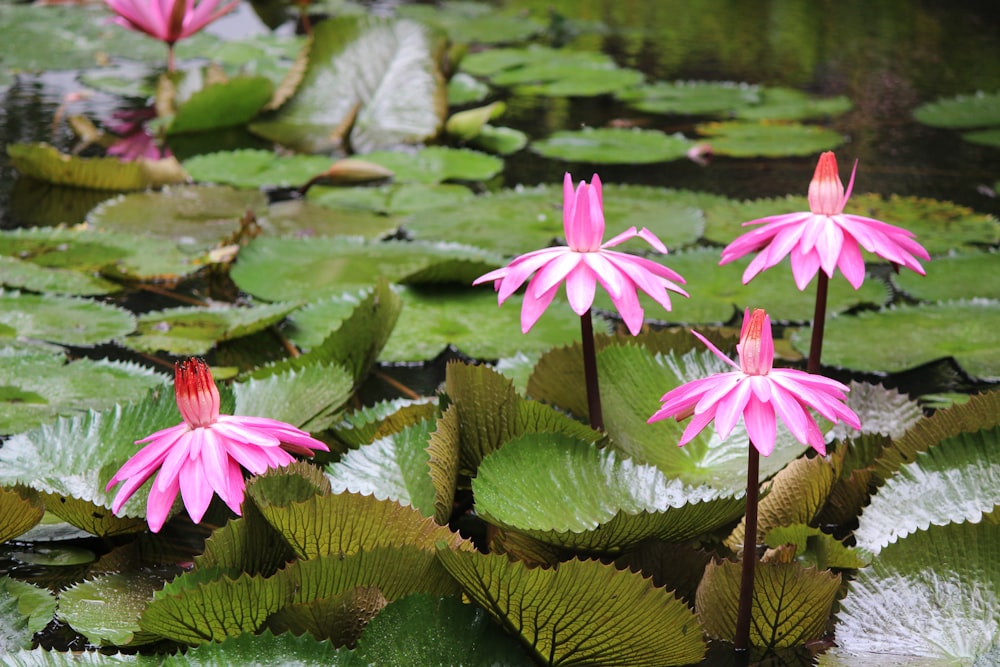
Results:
x,y
959,276
194,331
791,604
791,104
613,145
955,481
573,495
692,98
434,164
371,81
464,89
979,109
718,293
329,266
307,397
195,218
768,139
500,140
393,467
222,105
47,163
20,510
925,600
77,258
62,320
106,609
583,612
516,221
906,336
21,274
539,70
35,389
252,168
264,649
989,137
298,217
24,610
393,199
814,548
471,22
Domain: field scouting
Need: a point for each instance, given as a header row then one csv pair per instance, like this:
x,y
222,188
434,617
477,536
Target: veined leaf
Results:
x,y
46,163
20,510
263,649
106,609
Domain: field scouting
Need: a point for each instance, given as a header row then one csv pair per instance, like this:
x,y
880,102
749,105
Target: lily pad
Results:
x,y
106,609
263,649
46,163
301,218
980,109
252,168
791,104
24,610
989,137
329,266
583,612
926,600
903,337
516,221
692,98
613,145
393,199
62,320
35,389
768,139
573,495
465,89
471,22
221,105
958,276
195,331
20,510
500,140
369,81
435,164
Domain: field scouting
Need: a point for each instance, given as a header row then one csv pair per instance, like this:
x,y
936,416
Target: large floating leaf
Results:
x,y
63,320
435,164
718,293
305,218
20,510
907,336
581,612
691,97
928,599
964,276
980,109
957,480
571,494
196,218
36,388
263,649
768,139
254,168
791,604
193,331
392,199
516,221
394,467
791,104
473,22
613,145
24,610
329,266
24,274
222,105
307,396
369,81
46,163
421,629
106,609
539,70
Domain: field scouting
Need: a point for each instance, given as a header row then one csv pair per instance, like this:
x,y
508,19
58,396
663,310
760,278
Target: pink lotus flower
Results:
x,y
825,237
206,453
168,20
586,262
758,392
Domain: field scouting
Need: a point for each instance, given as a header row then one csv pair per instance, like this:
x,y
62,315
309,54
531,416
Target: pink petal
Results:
x,y
159,503
760,425
196,492
533,307
580,288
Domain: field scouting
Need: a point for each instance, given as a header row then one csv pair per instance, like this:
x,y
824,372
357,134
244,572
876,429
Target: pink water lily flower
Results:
x,y
168,20
758,392
824,237
585,262
206,453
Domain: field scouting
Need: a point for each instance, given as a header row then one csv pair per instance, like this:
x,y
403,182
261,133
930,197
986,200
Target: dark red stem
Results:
x,y
742,640
590,372
819,321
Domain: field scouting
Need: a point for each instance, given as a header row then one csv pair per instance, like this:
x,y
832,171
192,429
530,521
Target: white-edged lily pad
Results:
x,y
904,337
370,81
613,145
62,320
768,139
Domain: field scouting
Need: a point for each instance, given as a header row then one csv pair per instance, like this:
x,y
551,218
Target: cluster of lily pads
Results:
x,y
482,522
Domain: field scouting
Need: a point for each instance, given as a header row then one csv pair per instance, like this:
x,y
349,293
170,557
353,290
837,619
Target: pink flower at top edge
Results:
x,y
205,454
168,20
824,237
585,262
759,393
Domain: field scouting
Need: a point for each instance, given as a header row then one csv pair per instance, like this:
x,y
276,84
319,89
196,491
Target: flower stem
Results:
x,y
819,321
170,57
590,372
742,640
